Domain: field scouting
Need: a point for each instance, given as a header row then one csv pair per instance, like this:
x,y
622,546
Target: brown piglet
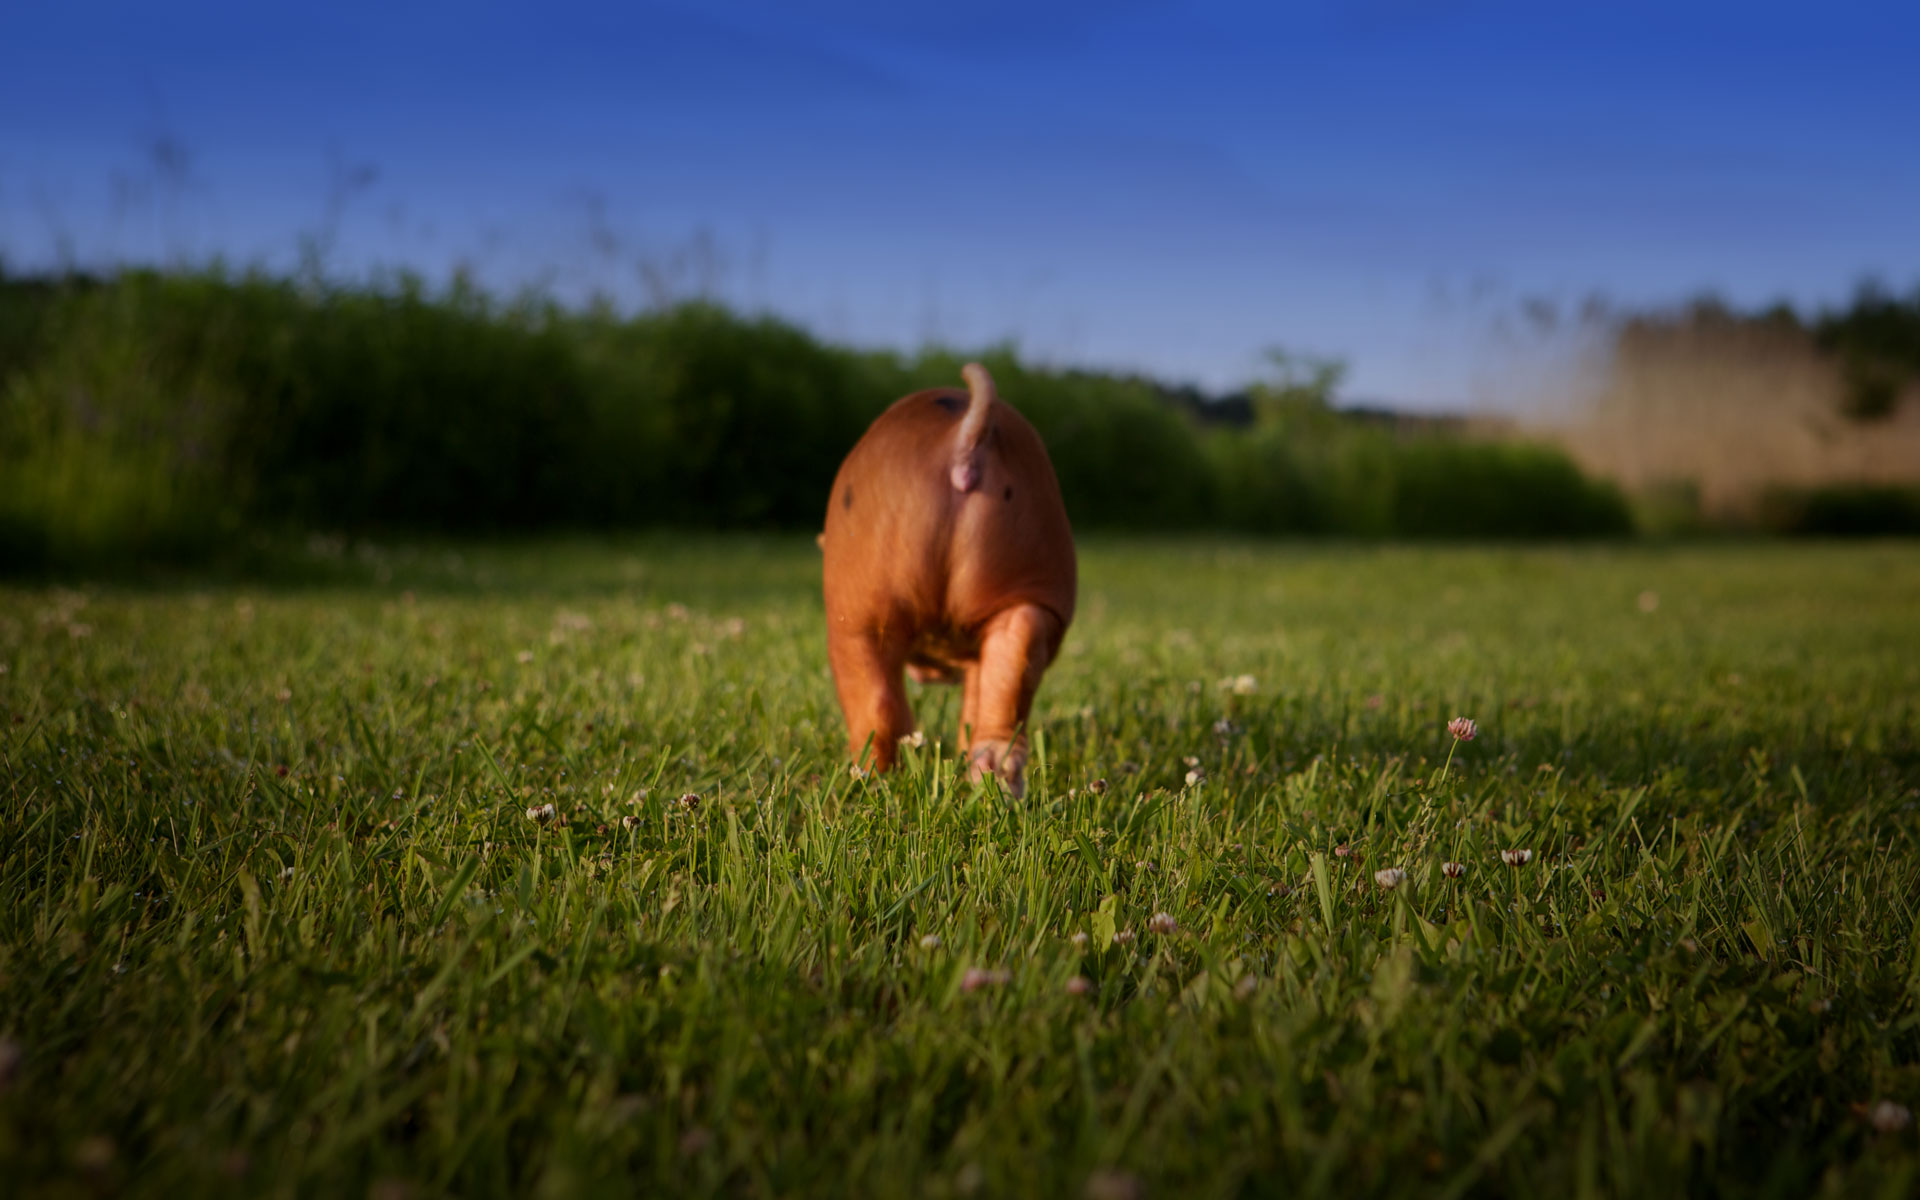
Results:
x,y
947,553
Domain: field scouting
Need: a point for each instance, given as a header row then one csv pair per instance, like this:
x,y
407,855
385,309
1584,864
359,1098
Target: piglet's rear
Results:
x,y
947,553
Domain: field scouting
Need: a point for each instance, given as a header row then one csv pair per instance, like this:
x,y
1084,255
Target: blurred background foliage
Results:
x,y
167,414
1714,419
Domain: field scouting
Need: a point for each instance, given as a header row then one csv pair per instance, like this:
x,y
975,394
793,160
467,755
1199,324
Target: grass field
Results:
x,y
276,919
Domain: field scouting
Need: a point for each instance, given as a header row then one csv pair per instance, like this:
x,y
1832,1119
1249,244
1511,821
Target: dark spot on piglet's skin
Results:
x,y
846,498
950,403
1008,494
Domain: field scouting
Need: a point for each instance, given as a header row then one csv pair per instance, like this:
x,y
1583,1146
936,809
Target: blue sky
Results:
x,y
1166,187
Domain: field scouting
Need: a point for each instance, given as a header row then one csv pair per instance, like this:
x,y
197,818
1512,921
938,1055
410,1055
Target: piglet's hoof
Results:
x,y
1005,761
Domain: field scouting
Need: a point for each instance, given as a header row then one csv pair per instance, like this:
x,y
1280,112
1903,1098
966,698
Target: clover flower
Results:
x,y
980,977
1888,1117
1109,1183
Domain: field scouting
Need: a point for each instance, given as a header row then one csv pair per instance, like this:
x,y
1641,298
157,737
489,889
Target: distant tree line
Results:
x,y
1874,339
1877,339
1765,418
155,414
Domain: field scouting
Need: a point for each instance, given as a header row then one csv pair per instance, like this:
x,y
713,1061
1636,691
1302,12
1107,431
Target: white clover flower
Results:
x,y
1079,939
10,1056
1516,858
1453,870
94,1155
980,977
1110,1183
1888,1117
1163,924
1389,877
542,813
916,739
695,1140
930,942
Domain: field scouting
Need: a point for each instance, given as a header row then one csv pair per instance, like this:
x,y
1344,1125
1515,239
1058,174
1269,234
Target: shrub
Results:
x,y
1858,510
1444,487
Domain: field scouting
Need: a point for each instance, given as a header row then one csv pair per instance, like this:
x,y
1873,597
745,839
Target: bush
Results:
x,y
1305,469
108,447
701,418
1450,488
1859,510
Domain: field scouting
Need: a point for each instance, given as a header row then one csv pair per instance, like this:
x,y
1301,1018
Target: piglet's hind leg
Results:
x,y
1014,650
969,705
866,673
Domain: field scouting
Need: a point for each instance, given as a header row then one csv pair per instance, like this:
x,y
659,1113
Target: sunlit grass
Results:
x,y
278,920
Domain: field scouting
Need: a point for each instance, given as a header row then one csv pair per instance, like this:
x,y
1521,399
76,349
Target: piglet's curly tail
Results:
x,y
965,472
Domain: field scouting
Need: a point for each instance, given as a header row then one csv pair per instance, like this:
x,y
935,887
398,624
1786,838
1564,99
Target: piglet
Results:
x,y
947,552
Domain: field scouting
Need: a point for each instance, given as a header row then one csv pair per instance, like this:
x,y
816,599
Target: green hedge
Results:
x,y
1850,510
160,414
